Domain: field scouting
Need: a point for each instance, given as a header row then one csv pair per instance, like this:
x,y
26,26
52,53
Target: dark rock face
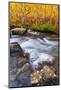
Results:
x,y
51,81
19,31
14,47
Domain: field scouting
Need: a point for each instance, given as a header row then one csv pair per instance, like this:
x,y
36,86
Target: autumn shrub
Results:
x,y
35,17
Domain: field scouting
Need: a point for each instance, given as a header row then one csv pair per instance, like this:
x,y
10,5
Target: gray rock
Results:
x,y
23,75
20,31
23,59
13,84
26,67
15,47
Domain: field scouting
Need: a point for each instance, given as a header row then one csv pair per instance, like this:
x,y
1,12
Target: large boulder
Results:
x,y
19,31
48,72
40,76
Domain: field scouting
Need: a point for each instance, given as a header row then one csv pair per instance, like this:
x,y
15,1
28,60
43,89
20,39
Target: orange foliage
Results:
x,y
22,13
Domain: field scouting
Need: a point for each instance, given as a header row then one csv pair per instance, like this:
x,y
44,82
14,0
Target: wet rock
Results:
x,y
15,47
13,84
56,65
48,72
19,31
33,32
24,68
49,82
12,74
13,63
23,59
38,77
18,66
12,77
23,75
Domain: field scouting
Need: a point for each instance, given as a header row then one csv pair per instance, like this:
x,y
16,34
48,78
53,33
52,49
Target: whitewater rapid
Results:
x,y
40,50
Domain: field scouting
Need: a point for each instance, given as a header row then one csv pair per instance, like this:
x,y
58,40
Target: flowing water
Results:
x,y
40,49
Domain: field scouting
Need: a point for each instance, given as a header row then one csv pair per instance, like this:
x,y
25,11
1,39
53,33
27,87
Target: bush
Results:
x,y
45,28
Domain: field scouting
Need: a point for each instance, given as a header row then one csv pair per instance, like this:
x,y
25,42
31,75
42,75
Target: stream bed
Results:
x,y
41,50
